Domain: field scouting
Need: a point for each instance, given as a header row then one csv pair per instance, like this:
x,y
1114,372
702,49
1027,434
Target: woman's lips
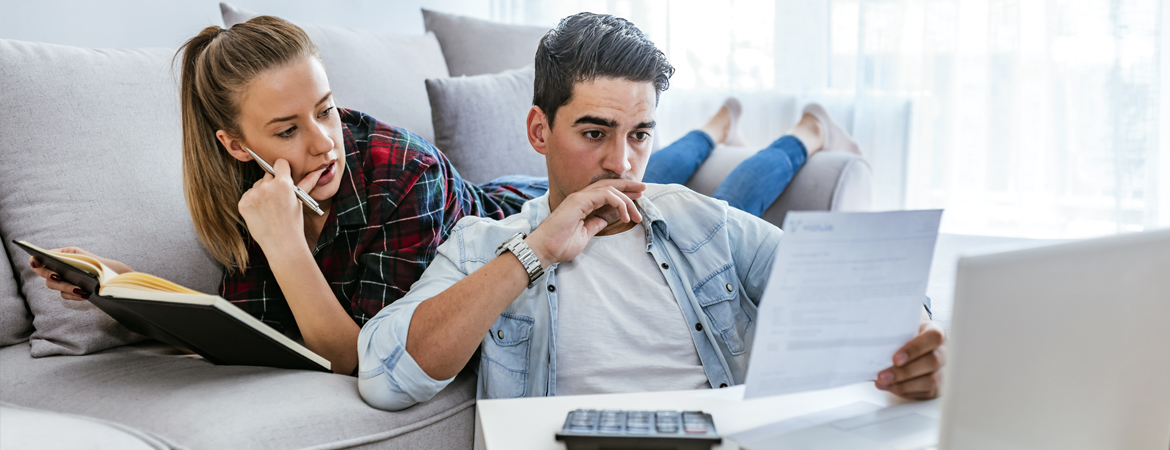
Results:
x,y
328,174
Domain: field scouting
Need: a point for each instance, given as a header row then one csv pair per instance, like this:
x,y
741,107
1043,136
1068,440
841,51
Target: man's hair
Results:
x,y
586,46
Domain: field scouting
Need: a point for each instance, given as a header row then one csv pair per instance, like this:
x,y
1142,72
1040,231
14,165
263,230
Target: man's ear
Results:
x,y
235,147
538,129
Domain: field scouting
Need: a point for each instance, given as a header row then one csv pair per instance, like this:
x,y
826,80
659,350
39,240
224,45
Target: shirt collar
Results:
x,y
349,203
350,199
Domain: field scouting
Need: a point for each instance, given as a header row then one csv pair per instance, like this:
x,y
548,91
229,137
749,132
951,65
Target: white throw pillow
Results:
x,y
480,124
15,319
92,158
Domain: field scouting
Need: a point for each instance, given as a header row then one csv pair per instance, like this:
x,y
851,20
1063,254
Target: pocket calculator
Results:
x,y
590,429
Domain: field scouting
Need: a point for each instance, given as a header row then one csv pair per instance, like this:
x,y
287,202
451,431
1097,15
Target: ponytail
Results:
x,y
217,65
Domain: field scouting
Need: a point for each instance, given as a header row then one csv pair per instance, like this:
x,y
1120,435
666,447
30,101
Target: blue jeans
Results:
x,y
752,187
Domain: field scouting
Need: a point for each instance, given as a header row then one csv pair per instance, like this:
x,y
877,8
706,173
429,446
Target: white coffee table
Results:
x,y
532,423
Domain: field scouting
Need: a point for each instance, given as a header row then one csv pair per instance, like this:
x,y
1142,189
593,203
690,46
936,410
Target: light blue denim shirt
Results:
x,y
716,260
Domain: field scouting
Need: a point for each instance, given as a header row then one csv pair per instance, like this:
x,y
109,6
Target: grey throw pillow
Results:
x,y
93,159
475,47
380,74
15,319
480,124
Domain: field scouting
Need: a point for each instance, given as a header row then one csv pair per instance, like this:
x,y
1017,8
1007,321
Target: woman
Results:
x,y
389,197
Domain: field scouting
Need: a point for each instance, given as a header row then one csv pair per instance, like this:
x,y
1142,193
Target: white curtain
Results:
x,y
1037,118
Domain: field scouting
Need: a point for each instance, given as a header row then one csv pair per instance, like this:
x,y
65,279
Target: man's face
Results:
x,y
604,131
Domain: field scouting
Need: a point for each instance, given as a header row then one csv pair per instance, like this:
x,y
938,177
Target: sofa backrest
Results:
x,y
475,47
378,73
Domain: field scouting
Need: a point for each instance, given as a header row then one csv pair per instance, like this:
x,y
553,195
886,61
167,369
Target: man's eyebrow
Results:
x,y
649,124
596,121
294,116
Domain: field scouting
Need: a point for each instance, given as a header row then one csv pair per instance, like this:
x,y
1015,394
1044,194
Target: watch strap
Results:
x,y
527,257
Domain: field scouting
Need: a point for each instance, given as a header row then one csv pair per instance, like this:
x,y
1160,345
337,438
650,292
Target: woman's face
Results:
x,y
288,113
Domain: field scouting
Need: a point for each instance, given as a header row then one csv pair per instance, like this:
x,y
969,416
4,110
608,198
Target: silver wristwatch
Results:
x,y
518,247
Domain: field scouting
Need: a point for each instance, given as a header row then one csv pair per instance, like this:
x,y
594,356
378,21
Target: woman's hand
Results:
x,y
68,291
272,210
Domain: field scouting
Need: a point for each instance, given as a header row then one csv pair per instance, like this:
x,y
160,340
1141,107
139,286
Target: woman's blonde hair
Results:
x,y
218,64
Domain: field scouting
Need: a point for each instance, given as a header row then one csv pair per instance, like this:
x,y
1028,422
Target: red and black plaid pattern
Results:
x,y
398,200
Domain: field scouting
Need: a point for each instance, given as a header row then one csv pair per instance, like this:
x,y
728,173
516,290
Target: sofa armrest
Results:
x,y
829,181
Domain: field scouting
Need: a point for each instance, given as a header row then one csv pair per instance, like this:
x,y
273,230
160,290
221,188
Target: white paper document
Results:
x,y
846,292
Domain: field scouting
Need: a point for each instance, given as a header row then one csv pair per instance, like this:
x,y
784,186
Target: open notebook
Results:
x,y
205,324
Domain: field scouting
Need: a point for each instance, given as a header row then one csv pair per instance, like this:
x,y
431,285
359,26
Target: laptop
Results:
x,y
1061,347
1058,347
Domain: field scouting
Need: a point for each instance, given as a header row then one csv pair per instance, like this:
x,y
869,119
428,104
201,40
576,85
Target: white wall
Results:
x,y
154,23
1163,158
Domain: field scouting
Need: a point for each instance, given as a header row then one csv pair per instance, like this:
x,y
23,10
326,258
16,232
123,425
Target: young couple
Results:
x,y
592,282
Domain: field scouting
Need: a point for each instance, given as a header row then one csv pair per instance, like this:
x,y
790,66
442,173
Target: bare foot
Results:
x,y
811,133
834,138
722,126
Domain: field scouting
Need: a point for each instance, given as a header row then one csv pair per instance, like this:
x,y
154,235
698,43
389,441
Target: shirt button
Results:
x,y
665,266
698,327
552,288
722,385
500,333
729,288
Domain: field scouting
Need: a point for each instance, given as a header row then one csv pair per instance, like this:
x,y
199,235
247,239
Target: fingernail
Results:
x,y
54,277
33,263
885,377
78,291
85,296
900,358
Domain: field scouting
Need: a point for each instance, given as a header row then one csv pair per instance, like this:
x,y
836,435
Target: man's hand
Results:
x,y
917,370
564,234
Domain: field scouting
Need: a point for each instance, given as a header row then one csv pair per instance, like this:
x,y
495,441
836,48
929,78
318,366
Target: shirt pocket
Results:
x,y
719,298
504,365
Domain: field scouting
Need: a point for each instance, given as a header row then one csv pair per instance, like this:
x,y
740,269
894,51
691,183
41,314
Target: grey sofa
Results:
x,y
89,156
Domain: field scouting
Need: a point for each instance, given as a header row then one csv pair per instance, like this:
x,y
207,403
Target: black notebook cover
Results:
x,y
208,330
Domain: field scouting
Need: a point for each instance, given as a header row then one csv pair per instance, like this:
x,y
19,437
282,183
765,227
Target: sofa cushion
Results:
x,y
480,124
475,47
92,159
188,401
380,74
15,319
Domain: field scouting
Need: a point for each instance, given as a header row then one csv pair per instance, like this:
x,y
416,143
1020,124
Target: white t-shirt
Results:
x,y
620,328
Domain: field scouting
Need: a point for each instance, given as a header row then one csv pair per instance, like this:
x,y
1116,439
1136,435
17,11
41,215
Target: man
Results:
x,y
605,284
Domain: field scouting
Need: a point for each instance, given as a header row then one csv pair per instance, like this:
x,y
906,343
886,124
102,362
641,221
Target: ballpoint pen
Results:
x,y
308,201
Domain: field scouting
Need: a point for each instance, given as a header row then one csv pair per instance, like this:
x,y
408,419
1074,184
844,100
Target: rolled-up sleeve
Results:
x,y
388,377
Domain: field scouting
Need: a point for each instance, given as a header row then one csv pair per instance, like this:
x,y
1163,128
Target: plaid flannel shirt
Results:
x,y
398,200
